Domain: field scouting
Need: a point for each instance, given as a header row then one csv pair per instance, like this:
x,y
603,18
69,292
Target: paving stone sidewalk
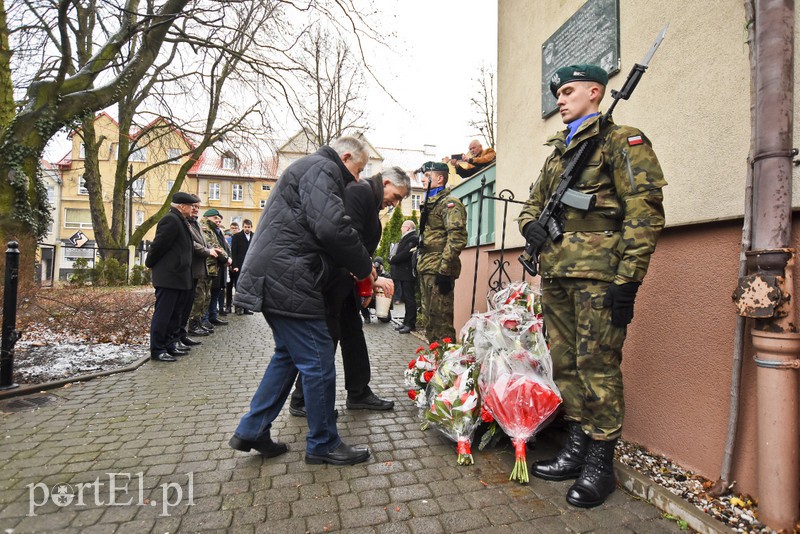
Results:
x,y
147,451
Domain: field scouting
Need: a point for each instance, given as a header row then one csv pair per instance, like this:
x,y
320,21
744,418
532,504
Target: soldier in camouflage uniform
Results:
x,y
590,277
441,243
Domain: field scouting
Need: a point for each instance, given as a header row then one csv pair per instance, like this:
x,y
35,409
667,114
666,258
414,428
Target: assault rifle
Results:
x,y
552,215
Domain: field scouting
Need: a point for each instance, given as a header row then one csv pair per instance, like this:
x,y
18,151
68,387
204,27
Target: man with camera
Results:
x,y
476,159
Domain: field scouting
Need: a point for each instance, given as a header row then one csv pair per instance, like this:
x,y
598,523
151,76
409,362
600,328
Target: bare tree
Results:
x,y
330,108
485,105
55,90
72,59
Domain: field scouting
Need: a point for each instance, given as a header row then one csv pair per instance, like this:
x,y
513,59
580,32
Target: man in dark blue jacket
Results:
x,y
170,258
303,235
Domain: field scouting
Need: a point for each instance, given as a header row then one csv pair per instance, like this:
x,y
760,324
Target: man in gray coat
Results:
x,y
303,235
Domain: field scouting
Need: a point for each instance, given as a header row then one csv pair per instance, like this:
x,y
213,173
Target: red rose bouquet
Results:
x,y
519,397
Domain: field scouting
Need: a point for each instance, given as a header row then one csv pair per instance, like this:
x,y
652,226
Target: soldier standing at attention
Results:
x,y
441,243
590,277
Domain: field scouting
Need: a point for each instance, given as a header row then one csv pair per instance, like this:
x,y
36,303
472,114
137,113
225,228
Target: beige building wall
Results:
x,y
694,104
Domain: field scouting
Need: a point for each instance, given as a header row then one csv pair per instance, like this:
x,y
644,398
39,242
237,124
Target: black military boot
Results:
x,y
597,480
568,463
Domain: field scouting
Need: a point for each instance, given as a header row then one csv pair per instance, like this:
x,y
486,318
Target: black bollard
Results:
x,y
10,334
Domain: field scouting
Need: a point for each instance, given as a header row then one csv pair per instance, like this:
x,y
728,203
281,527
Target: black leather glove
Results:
x,y
620,299
535,234
444,283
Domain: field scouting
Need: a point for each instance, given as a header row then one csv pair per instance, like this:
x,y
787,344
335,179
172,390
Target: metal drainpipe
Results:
x,y
775,336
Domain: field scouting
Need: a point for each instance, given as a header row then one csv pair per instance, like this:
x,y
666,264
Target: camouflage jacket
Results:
x,y
626,177
213,241
445,235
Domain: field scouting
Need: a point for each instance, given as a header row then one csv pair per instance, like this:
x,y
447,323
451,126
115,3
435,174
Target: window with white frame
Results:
x,y
265,187
140,154
51,194
228,162
174,155
415,200
82,151
213,191
170,183
263,203
139,218
138,187
237,193
82,186
237,220
77,218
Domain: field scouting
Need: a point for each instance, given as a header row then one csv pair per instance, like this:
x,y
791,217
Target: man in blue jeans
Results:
x,y
303,235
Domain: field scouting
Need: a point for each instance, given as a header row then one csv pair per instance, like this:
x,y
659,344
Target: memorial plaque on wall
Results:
x,y
591,35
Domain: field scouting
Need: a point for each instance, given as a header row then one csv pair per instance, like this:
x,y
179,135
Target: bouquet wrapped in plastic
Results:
x,y
420,370
454,405
520,397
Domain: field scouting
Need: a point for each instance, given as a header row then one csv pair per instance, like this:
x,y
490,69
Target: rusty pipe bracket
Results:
x,y
763,293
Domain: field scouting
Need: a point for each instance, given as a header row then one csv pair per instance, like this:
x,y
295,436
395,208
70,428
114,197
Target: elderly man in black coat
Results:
x,y
403,274
303,235
170,258
363,202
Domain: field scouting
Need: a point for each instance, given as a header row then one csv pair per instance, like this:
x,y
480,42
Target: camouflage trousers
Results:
x,y
587,353
202,297
437,310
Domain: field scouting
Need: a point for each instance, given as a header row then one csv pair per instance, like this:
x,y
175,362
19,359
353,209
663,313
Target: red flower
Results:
x,y
510,324
420,349
447,340
486,417
412,394
412,363
434,346
426,376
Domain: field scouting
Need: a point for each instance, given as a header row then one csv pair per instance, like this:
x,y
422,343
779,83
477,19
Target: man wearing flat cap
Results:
x,y
170,258
591,275
440,244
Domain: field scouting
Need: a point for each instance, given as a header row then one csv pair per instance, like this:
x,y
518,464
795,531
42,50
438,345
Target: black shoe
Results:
x,y
569,461
367,319
227,309
341,455
239,311
248,312
267,448
370,402
162,357
198,331
218,322
175,351
189,342
180,346
208,326
300,411
597,480
400,326
406,329
222,313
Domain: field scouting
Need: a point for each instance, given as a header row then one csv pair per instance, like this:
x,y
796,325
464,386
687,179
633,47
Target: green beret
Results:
x,y
212,212
574,73
435,166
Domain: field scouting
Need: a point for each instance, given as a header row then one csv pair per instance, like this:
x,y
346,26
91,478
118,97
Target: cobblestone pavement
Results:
x,y
147,451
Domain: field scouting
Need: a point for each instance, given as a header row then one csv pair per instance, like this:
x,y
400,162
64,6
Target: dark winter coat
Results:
x,y
401,261
200,248
303,234
239,246
170,255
